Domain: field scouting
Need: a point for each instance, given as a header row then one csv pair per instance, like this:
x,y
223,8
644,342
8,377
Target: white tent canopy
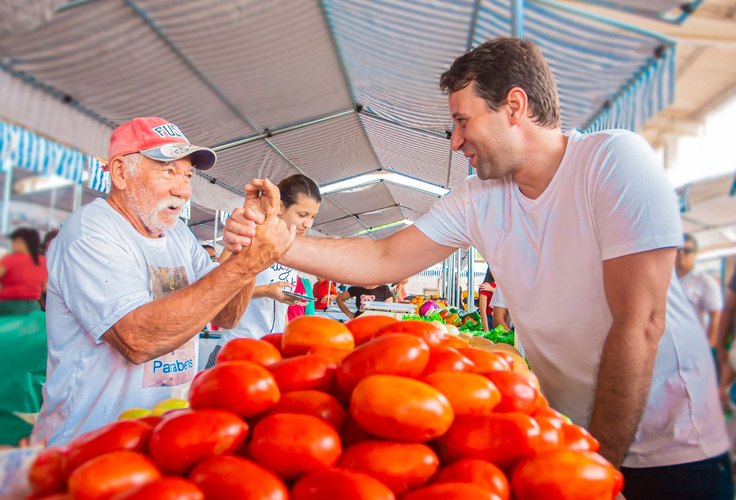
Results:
x,y
331,88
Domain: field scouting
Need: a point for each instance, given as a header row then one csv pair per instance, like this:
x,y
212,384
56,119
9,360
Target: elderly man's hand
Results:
x,y
261,198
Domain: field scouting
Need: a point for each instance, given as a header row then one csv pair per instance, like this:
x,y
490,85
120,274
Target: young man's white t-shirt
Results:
x,y
609,198
704,294
100,269
263,315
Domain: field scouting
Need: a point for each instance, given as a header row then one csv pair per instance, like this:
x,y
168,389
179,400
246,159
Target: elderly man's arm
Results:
x,y
165,324
638,304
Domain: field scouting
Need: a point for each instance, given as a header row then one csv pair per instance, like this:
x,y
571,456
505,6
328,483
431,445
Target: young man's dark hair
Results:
x,y
497,66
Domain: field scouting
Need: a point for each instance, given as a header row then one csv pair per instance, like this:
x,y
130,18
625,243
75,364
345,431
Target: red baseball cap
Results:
x,y
159,140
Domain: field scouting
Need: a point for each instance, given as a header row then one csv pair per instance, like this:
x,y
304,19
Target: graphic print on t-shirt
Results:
x,y
364,299
176,367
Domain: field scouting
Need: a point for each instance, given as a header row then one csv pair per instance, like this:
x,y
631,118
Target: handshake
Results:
x,y
256,229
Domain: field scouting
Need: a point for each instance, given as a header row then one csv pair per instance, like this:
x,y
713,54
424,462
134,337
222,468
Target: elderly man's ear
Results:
x,y
119,174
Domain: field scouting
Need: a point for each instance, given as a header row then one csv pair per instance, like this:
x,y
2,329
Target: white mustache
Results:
x,y
170,201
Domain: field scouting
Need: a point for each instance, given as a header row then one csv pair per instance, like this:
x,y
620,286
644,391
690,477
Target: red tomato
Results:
x,y
107,475
334,354
432,334
401,409
186,438
365,327
547,411
400,466
48,473
451,491
256,351
228,477
353,433
342,484
316,403
292,445
448,360
485,361
306,332
502,438
274,339
403,355
551,436
121,435
241,387
151,420
454,342
478,472
301,373
468,393
166,488
577,438
517,394
562,474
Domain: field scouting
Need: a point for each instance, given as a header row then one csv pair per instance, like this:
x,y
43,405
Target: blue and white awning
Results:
x,y
29,151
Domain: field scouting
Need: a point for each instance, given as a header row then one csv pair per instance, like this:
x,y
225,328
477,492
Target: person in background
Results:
x,y
130,288
581,230
725,349
701,290
305,308
484,302
400,290
363,295
47,239
22,274
211,252
267,311
325,292
501,314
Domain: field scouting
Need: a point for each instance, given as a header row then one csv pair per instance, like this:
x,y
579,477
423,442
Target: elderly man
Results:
x,y
130,288
581,232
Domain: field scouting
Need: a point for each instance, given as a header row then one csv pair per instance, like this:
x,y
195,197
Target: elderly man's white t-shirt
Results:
x,y
100,269
609,198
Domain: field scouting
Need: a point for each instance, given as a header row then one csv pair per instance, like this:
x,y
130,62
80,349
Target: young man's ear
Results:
x,y
119,175
518,103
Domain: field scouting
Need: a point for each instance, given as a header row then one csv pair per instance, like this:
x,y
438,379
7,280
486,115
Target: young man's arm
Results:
x,y
387,260
638,305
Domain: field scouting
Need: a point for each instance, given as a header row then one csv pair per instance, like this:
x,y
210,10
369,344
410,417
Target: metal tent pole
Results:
x,y
8,168
471,279
517,18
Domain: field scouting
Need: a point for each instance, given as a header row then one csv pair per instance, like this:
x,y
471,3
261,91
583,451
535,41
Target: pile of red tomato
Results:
x,y
373,409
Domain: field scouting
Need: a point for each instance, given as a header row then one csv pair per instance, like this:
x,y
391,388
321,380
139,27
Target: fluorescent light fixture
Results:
x,y
403,222
384,175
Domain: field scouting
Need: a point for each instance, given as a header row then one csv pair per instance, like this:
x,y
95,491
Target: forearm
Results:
x,y
715,318
624,379
344,308
387,260
165,324
725,322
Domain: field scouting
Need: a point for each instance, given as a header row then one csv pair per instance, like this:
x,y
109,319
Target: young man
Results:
x,y
581,233
130,288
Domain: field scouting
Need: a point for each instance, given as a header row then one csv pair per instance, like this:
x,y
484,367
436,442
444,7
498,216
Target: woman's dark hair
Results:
x,y
489,276
47,240
31,238
295,185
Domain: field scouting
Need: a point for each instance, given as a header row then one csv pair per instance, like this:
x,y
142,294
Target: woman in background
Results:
x,y
484,302
267,310
22,274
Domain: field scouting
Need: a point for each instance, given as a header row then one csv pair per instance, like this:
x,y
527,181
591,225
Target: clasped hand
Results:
x,y
256,225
